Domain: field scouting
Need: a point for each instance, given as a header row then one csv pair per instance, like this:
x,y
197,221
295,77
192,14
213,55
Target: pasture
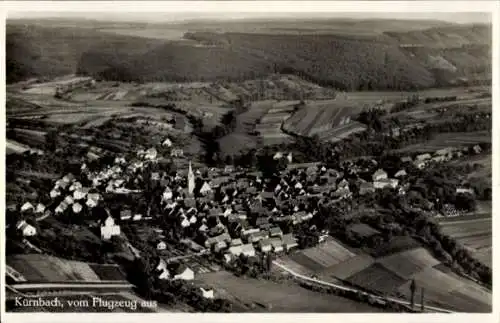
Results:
x,y
269,296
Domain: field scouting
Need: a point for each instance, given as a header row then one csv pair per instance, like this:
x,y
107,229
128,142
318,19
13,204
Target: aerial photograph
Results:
x,y
254,164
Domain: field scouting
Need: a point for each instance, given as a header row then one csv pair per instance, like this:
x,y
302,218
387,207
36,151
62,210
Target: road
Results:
x,y
351,289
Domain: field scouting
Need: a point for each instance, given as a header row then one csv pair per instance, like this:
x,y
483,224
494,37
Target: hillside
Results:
x,y
354,60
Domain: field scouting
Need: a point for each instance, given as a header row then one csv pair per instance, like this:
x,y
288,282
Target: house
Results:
x,y
278,155
462,190
26,229
265,245
423,157
207,293
306,217
54,193
167,143
161,245
75,186
27,206
257,236
246,249
109,229
205,189
393,183
40,208
289,242
248,232
214,240
120,161
69,200
162,267
220,245
366,188
151,154
177,152
400,173
275,232
186,274
477,149
93,199
444,152
125,215
155,176
137,217
236,242
380,174
439,159
77,208
277,244
420,164
185,222
167,194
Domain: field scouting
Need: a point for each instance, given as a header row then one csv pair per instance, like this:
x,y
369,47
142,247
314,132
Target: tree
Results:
x,y
51,141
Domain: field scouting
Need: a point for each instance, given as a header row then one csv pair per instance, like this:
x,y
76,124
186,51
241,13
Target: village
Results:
x,y
222,212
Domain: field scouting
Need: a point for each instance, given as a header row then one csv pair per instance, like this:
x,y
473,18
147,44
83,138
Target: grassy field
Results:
x,y
450,291
473,232
406,263
278,297
376,277
444,140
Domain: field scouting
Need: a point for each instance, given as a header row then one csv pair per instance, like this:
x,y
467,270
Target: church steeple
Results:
x,y
190,180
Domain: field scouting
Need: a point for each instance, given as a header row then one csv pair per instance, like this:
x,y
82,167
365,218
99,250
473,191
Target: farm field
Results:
x,y
450,291
377,278
444,140
407,263
330,120
326,254
474,233
279,297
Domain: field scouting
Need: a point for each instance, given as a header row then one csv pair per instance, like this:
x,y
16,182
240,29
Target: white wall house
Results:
x,y
187,274
26,229
109,229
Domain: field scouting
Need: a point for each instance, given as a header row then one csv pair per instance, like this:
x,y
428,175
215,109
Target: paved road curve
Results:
x,y
391,299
